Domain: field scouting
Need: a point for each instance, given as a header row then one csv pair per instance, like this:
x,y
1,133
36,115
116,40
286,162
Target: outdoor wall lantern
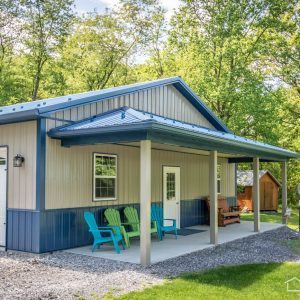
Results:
x,y
18,160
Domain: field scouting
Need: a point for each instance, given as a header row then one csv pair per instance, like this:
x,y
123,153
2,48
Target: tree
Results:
x,y
216,46
10,33
93,53
103,47
46,25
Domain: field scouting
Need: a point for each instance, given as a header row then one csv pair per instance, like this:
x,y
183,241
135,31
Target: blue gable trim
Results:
x,y
188,93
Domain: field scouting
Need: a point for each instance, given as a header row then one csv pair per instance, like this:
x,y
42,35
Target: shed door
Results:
x,y
268,196
3,191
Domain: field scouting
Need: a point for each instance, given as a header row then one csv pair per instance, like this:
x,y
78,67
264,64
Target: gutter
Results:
x,y
21,116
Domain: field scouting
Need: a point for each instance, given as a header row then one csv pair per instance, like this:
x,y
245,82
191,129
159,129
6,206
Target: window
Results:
x,y
171,192
105,177
219,179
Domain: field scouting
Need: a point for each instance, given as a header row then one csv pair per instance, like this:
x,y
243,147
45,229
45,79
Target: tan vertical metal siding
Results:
x,y
227,179
165,101
69,174
21,139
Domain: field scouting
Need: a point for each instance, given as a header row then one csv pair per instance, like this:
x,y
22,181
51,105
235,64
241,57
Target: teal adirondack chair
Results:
x,y
132,217
157,216
113,218
96,231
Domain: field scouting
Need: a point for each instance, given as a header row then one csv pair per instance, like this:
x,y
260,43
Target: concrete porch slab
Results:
x,y
170,247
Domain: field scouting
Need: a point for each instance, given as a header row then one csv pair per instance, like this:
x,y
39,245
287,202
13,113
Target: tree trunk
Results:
x,y
37,79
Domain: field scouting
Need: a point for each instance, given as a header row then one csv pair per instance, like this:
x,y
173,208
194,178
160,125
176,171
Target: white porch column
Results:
x,y
145,198
256,192
284,190
213,197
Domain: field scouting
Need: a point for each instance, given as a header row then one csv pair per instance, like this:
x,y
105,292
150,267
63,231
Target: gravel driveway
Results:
x,y
69,276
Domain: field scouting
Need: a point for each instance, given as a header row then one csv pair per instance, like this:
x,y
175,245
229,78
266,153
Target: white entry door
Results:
x,y
171,194
3,191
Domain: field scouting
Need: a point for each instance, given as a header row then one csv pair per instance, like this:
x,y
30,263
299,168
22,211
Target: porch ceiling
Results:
x,y
129,125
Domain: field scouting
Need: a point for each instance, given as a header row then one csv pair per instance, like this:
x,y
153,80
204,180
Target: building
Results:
x,y
269,188
55,151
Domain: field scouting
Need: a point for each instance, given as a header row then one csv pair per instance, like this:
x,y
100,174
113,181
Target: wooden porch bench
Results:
x,y
226,214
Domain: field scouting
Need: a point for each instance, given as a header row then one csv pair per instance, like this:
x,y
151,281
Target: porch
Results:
x,y
171,248
150,135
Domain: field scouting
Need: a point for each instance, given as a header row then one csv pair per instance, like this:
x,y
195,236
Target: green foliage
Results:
x,y
241,57
46,25
240,189
253,281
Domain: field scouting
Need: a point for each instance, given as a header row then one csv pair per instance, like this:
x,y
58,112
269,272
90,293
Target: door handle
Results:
x,y
177,202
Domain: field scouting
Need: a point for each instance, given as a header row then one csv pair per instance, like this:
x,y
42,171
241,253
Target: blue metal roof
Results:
x,y
129,119
35,109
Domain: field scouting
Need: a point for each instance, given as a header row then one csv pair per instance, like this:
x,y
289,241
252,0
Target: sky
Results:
x,y
83,6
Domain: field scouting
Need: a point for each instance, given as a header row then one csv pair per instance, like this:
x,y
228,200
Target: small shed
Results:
x,y
269,187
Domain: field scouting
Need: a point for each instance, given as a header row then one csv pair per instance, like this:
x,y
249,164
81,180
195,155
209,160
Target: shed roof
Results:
x,y
35,109
128,124
245,178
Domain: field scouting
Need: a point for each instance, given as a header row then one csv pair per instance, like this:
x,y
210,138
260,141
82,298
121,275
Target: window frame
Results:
x,y
95,155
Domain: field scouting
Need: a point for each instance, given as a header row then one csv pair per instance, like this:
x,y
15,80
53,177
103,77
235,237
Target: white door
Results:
x,y
3,190
171,194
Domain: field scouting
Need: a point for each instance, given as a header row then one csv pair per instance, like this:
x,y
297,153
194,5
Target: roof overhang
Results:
x,y
164,134
21,116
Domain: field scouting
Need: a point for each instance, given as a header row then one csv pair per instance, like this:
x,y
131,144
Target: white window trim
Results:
x,y
99,176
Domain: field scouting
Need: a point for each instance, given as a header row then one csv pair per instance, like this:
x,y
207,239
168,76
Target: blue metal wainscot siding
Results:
x,y
23,230
58,229
193,212
66,228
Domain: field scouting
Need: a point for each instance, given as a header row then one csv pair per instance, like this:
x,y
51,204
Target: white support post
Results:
x,y
284,190
213,196
256,194
145,198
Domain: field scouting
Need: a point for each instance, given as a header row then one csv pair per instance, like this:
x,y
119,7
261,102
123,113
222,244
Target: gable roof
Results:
x,y
245,178
127,121
35,109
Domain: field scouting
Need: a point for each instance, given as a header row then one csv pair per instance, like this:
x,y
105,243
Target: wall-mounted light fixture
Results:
x,y
18,160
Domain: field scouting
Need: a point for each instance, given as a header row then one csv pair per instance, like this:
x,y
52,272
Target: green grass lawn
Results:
x,y
255,281
271,217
